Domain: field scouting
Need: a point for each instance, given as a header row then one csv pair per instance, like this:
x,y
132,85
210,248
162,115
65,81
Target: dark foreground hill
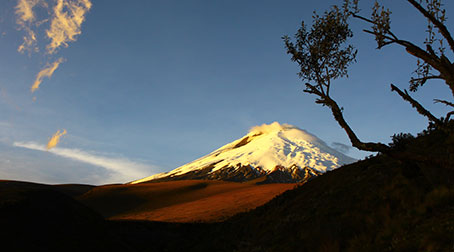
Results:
x,y
378,204
35,217
374,205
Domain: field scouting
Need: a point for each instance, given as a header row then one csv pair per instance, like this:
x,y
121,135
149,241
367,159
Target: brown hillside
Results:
x,y
180,201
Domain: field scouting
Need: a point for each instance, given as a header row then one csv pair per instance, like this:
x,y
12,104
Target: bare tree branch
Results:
x,y
448,115
415,104
444,102
394,37
337,113
423,80
385,37
428,78
362,18
441,27
413,50
431,50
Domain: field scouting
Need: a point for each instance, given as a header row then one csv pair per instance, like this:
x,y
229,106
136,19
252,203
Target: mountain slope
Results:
x,y
179,201
283,153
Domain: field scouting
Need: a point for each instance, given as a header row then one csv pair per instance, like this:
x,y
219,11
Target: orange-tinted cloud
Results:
x,y
26,16
65,24
24,10
45,72
66,18
55,139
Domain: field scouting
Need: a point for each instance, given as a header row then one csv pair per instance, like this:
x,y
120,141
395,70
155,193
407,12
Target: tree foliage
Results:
x,y
323,54
320,51
432,63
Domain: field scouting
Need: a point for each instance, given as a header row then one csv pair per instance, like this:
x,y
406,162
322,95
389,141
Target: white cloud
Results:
x,y
341,147
124,169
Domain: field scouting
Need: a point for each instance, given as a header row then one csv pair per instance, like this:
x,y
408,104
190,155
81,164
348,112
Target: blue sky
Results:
x,y
157,84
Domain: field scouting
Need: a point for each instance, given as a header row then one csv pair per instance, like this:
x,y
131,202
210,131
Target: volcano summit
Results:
x,y
279,153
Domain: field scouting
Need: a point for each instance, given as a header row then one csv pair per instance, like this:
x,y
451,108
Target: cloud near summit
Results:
x,y
341,147
266,128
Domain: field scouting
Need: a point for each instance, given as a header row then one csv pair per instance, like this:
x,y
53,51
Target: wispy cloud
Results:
x,y
341,147
265,128
24,10
65,18
45,72
65,24
25,19
29,43
124,169
55,139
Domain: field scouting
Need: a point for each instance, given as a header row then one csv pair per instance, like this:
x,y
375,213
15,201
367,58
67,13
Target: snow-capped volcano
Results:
x,y
282,152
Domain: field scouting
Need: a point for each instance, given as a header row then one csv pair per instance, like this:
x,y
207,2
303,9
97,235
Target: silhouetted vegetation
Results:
x,y
323,56
401,140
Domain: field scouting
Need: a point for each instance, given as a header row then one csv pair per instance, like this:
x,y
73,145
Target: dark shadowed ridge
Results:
x,y
36,217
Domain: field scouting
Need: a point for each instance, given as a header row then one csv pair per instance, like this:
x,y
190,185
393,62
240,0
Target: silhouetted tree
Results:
x,y
323,55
